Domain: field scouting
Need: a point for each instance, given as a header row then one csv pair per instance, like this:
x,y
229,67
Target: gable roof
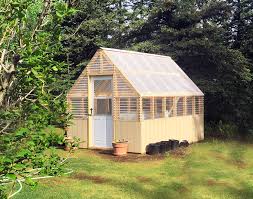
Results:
x,y
152,75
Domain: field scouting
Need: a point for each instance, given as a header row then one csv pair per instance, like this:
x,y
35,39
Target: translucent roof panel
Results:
x,y
152,75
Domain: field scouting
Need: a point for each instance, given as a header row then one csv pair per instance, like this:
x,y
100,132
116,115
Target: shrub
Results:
x,y
221,130
55,136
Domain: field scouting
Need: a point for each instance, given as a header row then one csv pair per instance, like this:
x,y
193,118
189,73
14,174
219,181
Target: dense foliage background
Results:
x,y
210,39
45,44
30,95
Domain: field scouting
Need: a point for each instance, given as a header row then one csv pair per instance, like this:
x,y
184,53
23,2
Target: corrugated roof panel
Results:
x,y
152,75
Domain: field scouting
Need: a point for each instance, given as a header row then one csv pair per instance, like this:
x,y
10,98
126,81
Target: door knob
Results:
x,y
91,109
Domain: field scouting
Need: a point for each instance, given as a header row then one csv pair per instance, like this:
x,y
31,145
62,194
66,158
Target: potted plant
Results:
x,y
71,143
120,147
75,143
68,143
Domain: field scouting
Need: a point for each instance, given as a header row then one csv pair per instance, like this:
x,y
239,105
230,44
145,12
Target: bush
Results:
x,y
221,130
2,192
55,136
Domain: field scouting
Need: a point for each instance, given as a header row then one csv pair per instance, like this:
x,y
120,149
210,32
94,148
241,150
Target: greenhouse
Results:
x,y
138,97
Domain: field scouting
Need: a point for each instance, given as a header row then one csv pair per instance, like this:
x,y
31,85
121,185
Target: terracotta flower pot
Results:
x,y
68,141
67,148
119,148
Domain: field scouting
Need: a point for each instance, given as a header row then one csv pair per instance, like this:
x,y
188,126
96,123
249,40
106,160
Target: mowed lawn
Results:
x,y
210,169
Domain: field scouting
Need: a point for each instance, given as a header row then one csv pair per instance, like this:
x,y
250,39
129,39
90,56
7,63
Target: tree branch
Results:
x,y
46,7
23,98
4,128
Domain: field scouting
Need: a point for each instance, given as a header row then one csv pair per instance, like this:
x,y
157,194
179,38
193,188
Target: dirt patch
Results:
x,y
219,156
211,182
240,164
183,189
130,157
94,179
144,179
179,152
54,181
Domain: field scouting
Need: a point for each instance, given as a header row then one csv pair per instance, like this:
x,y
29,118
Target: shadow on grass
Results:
x,y
237,156
141,186
244,192
198,174
169,190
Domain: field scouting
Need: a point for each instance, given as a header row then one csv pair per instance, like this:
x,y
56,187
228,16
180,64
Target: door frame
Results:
x,y
91,92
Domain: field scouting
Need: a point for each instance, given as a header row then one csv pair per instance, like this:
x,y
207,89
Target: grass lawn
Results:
x,y
211,169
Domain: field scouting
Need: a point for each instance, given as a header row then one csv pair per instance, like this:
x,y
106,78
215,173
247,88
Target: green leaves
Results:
x,y
29,181
21,132
55,68
11,176
19,167
32,29
24,152
5,160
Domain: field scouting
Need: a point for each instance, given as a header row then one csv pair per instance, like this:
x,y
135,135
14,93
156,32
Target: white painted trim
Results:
x,y
93,78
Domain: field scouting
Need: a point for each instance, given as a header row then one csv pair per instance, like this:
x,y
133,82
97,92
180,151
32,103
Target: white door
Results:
x,y
102,124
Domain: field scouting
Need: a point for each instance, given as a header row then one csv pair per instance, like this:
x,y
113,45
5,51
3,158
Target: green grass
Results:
x,y
211,169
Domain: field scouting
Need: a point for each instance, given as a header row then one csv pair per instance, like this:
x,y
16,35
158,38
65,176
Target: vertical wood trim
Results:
x,y
115,106
193,105
140,112
115,111
114,118
82,106
163,106
89,117
184,106
128,104
101,62
200,104
69,103
152,108
174,106
203,105
115,82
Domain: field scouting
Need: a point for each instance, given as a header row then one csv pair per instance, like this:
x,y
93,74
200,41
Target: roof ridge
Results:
x,y
134,52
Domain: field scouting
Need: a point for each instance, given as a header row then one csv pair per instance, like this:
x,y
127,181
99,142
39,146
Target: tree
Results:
x,y
194,33
99,23
240,26
30,70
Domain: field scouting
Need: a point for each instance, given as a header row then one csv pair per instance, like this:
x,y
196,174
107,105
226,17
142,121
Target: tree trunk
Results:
x,y
6,80
2,94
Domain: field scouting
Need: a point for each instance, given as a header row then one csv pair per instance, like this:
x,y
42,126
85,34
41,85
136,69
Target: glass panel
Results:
x,y
189,105
79,107
197,105
128,108
169,107
158,107
201,105
146,108
102,106
180,106
103,88
76,107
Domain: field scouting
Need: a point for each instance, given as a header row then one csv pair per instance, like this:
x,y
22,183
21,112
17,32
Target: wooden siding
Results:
x,y
189,128
100,64
122,87
80,87
130,131
79,129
